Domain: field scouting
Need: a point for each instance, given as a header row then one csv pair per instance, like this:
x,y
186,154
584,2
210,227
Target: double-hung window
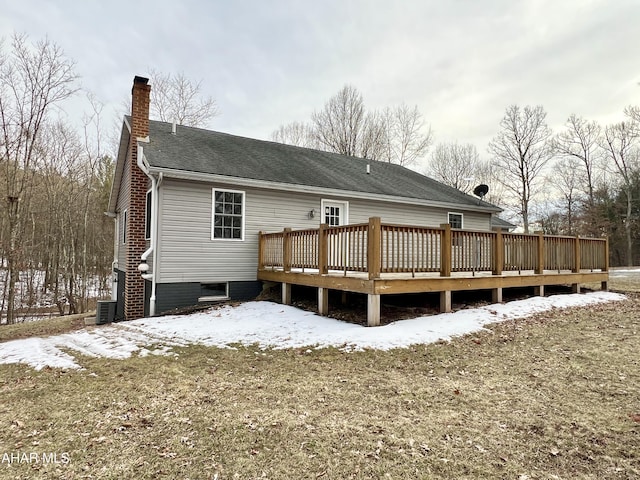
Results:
x,y
455,220
228,215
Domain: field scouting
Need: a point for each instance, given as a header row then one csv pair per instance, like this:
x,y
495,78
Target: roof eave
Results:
x,y
249,182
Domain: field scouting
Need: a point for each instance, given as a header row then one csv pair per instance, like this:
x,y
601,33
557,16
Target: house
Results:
x,y
189,204
500,224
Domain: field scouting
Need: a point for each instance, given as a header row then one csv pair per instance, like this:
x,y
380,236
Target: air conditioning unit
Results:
x,y
105,311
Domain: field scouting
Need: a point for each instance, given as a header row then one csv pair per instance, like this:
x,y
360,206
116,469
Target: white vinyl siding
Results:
x,y
121,206
189,255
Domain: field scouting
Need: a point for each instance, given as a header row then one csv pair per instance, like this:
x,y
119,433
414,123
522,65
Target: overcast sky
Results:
x,y
267,63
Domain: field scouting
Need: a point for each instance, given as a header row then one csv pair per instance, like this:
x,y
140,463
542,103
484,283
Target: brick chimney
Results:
x,y
138,185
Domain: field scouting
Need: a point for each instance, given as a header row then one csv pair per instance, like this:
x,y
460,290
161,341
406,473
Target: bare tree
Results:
x,y
339,126
60,197
404,140
620,144
395,135
176,98
295,133
568,180
33,78
520,152
457,165
580,141
633,112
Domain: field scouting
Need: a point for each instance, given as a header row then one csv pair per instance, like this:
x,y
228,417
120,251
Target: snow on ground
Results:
x,y
270,325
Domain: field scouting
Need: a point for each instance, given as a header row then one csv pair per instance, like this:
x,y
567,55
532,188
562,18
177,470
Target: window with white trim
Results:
x,y
455,220
228,215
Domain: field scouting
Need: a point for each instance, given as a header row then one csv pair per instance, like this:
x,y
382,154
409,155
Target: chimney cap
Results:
x,y
139,79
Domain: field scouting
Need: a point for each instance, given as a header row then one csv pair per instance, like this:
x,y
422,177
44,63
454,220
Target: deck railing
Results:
x,y
377,248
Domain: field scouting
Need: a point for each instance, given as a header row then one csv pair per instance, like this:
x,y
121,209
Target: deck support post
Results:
x,y
604,286
538,291
343,299
496,295
286,294
373,310
445,301
323,301
575,287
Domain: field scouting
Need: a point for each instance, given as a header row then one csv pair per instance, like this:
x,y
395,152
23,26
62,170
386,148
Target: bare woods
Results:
x,y
54,182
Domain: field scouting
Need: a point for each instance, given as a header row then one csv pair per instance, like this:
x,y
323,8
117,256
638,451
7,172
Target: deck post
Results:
x,y
498,254
445,301
286,294
575,287
286,250
496,295
374,246
605,285
538,291
577,254
260,250
540,266
322,250
373,310
323,301
445,251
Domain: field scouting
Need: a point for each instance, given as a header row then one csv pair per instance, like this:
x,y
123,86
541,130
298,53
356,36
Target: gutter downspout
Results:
x,y
143,267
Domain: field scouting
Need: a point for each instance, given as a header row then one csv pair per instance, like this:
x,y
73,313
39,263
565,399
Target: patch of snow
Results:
x,y
271,325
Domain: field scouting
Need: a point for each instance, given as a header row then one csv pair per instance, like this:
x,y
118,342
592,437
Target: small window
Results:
x,y
228,215
124,225
455,220
332,216
210,292
147,218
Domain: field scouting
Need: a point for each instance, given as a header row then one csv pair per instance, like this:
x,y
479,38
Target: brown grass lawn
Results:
x,y
556,396
42,328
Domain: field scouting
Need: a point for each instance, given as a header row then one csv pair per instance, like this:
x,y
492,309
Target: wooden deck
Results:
x,y
380,259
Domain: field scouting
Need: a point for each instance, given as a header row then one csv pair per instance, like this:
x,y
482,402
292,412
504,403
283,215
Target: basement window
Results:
x,y
211,292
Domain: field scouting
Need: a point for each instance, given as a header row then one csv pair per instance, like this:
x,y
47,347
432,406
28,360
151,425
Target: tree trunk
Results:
x,y
12,258
627,226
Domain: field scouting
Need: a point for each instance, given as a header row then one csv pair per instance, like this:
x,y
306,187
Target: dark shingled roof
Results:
x,y
501,223
208,152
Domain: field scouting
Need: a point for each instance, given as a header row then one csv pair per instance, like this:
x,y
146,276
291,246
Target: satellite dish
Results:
x,y
481,190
